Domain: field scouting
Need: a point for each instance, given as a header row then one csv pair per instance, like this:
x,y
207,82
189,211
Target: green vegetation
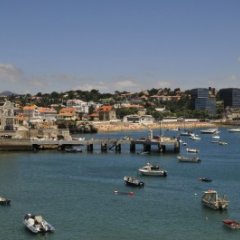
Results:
x,y
172,108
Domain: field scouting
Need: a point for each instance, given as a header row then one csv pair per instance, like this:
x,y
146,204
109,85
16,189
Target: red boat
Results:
x,y
231,224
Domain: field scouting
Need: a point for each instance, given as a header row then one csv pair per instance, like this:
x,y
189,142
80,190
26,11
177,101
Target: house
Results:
x,y
107,113
30,111
79,105
47,113
68,113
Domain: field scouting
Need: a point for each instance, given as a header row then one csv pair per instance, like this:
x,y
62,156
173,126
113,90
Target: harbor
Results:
x,y
70,190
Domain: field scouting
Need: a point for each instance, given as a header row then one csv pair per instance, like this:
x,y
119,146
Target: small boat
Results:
x,y
234,130
4,201
231,224
195,137
36,224
185,133
222,143
73,149
216,137
205,179
212,200
152,170
132,181
192,150
123,193
193,159
209,131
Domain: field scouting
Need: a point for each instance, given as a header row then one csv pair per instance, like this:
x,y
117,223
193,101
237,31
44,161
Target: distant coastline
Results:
x,y
119,126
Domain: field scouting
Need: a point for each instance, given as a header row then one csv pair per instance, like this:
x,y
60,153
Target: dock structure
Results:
x,y
162,145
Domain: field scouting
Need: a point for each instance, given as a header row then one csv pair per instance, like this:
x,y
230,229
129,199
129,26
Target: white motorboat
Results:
x,y
194,136
216,137
4,201
192,150
212,200
193,159
234,130
152,170
209,131
222,143
37,224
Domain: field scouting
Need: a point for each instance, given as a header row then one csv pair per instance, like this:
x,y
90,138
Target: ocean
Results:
x,y
75,192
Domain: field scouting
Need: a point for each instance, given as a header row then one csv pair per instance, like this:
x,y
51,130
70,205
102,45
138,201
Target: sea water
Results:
x,y
75,192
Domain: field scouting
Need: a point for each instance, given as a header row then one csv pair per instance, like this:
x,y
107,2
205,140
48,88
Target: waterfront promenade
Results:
x,y
120,126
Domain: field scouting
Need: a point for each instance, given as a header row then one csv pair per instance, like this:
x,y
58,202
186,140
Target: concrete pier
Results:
x,y
162,144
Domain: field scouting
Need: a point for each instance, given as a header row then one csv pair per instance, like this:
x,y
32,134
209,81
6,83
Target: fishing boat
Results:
x,y
4,201
152,170
231,224
212,200
132,181
209,131
188,159
192,150
37,224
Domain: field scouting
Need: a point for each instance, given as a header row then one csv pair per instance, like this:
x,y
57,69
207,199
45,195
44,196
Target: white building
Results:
x,y
79,105
144,119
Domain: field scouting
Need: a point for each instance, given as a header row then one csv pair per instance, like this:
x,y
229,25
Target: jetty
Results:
x,y
162,144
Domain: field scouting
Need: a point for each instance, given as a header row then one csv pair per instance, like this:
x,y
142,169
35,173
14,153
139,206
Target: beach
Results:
x,y
108,126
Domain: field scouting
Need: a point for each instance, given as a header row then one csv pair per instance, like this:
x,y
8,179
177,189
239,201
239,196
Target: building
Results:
x,y
203,101
230,97
144,119
8,120
79,105
67,113
107,113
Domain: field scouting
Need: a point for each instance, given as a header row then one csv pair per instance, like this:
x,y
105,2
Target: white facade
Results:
x,y
145,119
79,105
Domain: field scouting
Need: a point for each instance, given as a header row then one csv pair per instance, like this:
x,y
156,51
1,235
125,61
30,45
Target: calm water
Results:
x,y
74,192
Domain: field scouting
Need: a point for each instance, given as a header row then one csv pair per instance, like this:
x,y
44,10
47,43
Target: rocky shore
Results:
x,y
120,126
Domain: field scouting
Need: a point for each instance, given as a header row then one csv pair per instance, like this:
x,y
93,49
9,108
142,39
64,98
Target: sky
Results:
x,y
118,45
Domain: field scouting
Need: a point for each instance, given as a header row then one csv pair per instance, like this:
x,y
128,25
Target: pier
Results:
x,y
161,145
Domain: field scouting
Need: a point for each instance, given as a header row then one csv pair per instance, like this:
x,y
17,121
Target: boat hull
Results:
x,y
189,159
231,224
153,173
215,205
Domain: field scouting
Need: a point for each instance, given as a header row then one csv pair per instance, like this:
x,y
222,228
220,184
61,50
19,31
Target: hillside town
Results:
x,y
58,115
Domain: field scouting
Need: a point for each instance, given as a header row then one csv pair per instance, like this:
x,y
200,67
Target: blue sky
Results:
x,y
124,45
